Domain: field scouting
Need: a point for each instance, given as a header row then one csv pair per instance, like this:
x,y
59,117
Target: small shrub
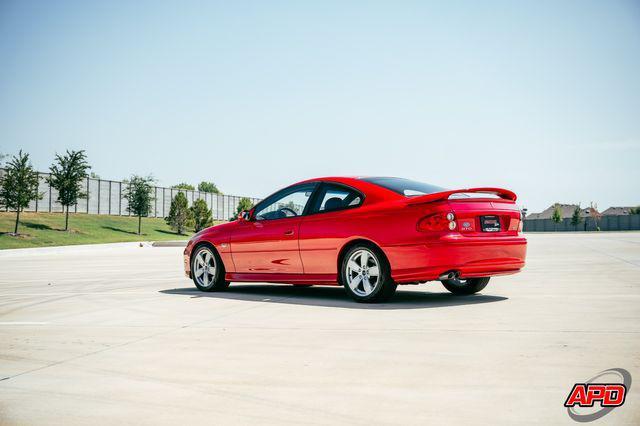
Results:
x,y
201,215
179,213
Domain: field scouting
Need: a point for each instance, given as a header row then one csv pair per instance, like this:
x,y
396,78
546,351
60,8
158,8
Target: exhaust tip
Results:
x,y
448,275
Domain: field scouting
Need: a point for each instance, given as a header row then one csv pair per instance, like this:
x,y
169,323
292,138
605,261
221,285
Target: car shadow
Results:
x,y
335,297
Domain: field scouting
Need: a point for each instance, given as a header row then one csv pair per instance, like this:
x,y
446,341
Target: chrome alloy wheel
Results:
x,y
363,272
204,267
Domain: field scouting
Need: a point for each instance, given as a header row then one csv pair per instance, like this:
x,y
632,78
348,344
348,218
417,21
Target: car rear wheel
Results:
x,y
366,274
207,270
468,286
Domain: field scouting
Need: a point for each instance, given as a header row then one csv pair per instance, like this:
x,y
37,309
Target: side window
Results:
x,y
289,202
337,197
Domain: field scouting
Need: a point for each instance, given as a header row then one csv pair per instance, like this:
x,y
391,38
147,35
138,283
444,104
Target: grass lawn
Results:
x,y
46,229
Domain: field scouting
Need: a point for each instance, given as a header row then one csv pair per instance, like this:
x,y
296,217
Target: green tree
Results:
x,y
185,186
208,187
575,217
556,217
179,213
139,194
18,185
201,215
67,173
635,210
243,204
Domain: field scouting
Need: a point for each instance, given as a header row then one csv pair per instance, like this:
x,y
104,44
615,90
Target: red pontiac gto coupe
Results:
x,y
367,234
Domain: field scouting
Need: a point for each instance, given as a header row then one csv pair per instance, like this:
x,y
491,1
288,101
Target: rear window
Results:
x,y
406,187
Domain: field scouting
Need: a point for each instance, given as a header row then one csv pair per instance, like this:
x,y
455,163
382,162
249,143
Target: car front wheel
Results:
x,y
207,270
469,286
366,274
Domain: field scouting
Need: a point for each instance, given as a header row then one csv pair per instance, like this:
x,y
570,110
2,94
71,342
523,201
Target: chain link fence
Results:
x,y
107,197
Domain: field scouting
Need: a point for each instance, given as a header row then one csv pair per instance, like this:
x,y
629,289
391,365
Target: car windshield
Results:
x,y
406,187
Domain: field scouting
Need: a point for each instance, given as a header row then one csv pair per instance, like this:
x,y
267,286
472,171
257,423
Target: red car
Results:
x,y
367,234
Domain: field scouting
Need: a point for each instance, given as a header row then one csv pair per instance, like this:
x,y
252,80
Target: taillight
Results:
x,y
438,222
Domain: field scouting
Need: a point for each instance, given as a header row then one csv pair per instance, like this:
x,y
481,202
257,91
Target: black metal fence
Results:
x,y
605,223
107,197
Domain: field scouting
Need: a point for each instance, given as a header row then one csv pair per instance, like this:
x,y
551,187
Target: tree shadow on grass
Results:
x,y
335,297
124,231
163,231
39,226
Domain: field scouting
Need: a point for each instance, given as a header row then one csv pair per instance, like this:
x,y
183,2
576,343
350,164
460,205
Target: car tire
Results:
x,y
464,287
210,278
371,283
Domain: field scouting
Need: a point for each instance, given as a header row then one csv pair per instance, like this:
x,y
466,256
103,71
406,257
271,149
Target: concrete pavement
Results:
x,y
116,334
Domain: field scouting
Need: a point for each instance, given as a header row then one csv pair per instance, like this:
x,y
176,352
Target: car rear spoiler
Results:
x,y
444,195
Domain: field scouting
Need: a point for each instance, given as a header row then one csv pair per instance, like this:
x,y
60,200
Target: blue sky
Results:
x,y
540,97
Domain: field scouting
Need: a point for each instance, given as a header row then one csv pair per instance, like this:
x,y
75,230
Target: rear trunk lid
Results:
x,y
486,218
478,211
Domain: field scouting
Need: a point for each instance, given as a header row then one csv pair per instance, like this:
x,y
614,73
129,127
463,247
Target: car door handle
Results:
x,y
289,232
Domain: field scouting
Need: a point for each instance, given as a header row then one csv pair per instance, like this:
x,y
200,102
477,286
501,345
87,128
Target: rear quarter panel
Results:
x,y
390,225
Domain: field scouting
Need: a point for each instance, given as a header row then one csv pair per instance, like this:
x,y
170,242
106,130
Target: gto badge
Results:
x,y
466,226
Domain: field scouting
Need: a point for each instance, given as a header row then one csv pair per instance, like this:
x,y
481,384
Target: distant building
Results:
x,y
566,211
617,211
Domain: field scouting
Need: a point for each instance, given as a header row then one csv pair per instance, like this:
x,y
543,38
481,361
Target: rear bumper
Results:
x,y
470,256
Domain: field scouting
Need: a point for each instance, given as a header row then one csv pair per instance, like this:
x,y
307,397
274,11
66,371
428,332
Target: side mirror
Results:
x,y
245,215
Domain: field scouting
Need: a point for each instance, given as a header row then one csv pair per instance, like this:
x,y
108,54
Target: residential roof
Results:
x,y
566,210
617,211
